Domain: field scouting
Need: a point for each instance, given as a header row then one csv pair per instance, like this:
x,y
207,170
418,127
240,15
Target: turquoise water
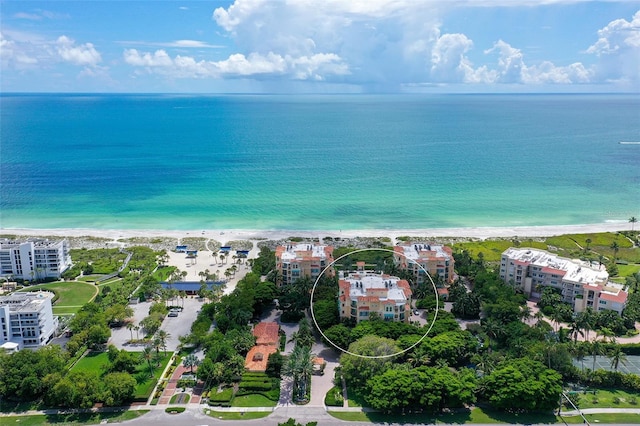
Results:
x,y
317,162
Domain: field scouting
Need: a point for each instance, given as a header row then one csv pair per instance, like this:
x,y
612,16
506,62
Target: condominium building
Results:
x,y
416,258
582,284
27,319
362,293
34,259
297,260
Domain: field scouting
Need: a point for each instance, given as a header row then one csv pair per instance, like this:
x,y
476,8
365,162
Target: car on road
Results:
x,y
173,314
416,312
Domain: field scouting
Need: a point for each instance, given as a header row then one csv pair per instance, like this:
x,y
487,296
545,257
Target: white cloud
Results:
x,y
617,36
11,55
83,54
618,52
159,59
448,60
510,62
238,65
175,43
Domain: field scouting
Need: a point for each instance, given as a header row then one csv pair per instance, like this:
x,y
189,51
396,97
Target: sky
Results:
x,y
320,46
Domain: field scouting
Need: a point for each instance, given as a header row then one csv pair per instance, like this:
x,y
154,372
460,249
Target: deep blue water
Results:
x,y
317,162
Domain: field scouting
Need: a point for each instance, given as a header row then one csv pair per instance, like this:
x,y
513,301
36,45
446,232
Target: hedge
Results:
x,y
174,410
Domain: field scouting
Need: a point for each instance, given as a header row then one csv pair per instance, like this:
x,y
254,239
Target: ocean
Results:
x,y
305,162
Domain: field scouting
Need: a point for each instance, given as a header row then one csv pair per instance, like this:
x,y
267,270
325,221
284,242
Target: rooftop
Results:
x,y
301,250
267,333
23,301
574,270
415,251
376,287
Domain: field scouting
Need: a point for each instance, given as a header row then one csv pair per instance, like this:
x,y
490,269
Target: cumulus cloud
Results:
x,y
237,65
83,54
448,60
618,51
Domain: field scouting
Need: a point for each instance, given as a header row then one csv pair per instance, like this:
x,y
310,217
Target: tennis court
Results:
x,y
630,365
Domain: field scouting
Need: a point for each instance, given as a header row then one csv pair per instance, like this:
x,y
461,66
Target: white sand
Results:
x,y
224,236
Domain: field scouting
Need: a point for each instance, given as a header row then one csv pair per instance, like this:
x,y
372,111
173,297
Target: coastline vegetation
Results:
x,y
450,369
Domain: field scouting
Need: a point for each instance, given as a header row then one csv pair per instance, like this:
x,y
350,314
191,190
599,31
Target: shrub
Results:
x,y
174,410
616,400
334,398
222,398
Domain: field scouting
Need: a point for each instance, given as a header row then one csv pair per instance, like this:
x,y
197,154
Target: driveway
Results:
x,y
181,325
120,337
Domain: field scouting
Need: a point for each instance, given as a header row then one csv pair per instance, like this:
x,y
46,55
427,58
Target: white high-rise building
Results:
x,y
27,319
34,259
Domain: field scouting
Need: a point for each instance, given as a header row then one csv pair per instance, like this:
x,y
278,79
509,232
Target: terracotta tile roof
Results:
x,y
267,333
258,356
443,290
621,297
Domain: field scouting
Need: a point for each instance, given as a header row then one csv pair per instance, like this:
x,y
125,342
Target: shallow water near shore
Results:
x,y
317,162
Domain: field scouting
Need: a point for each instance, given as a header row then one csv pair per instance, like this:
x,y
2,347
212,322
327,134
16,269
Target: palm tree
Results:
x,y
615,247
574,330
493,329
163,336
147,355
585,320
579,351
137,328
300,367
588,241
191,361
130,328
597,348
617,356
632,221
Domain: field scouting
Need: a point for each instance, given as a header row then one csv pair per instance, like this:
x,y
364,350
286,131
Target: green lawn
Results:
x,y
252,400
626,418
249,415
146,383
493,249
95,361
628,270
72,295
73,419
476,415
605,398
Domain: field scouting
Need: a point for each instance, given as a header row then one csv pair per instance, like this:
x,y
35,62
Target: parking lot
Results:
x,y
175,326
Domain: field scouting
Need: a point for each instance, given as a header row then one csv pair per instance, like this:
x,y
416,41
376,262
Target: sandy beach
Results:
x,y
224,236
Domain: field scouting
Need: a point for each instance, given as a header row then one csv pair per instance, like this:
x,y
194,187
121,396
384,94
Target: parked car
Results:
x,y
173,314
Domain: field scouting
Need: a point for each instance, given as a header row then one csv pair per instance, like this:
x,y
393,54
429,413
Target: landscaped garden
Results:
x,y
254,390
145,381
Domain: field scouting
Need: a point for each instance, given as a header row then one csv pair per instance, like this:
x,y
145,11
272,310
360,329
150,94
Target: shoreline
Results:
x,y
223,235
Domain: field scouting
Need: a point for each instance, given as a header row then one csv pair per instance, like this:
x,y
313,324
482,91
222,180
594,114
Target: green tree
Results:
x,y
304,335
119,388
522,384
326,313
299,366
615,247
162,337
633,220
617,356
358,369
467,306
147,355
191,361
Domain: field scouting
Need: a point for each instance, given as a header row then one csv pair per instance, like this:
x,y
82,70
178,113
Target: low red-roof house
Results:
x,y
267,338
